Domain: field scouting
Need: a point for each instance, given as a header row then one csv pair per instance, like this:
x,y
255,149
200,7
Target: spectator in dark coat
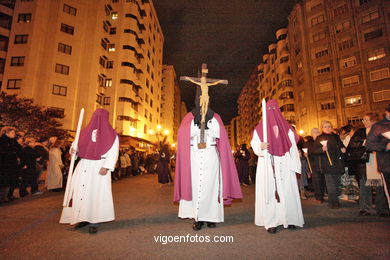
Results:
x,y
9,163
377,142
318,178
243,157
28,159
163,166
330,150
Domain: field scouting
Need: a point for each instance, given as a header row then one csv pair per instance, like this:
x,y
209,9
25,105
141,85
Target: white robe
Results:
x,y
54,173
289,210
91,192
206,179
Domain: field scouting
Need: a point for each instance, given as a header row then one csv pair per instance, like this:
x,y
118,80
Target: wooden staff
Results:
x,y
307,159
264,112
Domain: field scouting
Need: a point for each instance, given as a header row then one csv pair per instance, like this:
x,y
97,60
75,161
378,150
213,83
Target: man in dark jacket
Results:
x,y
28,158
9,164
378,143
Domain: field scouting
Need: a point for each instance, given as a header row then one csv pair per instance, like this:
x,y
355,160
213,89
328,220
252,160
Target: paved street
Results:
x,y
29,229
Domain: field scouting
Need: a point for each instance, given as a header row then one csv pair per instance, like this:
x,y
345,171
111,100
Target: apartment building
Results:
x,y
340,60
69,54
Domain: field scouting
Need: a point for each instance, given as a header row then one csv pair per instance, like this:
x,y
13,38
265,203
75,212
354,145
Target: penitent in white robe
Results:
x,y
289,210
54,166
91,192
206,179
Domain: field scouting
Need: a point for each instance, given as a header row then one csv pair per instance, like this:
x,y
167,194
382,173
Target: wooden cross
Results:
x,y
204,84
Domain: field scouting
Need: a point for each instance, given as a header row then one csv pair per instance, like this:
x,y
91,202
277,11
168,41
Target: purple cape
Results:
x,y
105,136
183,188
280,143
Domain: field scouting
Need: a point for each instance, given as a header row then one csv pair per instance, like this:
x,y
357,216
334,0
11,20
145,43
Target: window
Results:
x,y
113,30
150,117
111,47
59,90
287,108
21,38
340,10
69,10
17,61
325,87
2,66
106,26
14,83
382,95
24,18
328,105
99,99
101,79
370,16
102,61
317,20
104,43
108,83
321,53
373,34
56,111
376,54
67,29
67,49
319,36
323,69
379,74
345,44
348,62
340,27
350,81
109,64
354,120
316,7
353,101
106,101
114,15
62,69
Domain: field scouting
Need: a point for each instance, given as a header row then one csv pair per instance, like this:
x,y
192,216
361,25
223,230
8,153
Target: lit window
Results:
x,y
353,101
111,47
376,54
24,18
114,15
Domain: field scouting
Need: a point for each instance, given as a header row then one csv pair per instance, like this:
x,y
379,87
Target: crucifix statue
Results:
x,y
204,84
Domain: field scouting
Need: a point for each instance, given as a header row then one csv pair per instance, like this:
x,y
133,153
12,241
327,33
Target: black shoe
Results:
x,y
211,225
292,227
272,230
197,225
81,225
93,230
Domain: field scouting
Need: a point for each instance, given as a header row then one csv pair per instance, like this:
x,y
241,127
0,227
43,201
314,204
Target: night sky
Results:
x,y
231,36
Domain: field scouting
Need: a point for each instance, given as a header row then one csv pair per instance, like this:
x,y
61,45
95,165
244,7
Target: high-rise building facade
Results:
x,y
340,59
248,109
6,13
89,53
169,110
275,79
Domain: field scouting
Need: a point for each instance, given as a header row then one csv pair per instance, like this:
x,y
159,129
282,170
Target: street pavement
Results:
x,y
29,229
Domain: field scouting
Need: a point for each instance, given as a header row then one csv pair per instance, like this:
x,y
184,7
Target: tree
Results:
x,y
27,117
